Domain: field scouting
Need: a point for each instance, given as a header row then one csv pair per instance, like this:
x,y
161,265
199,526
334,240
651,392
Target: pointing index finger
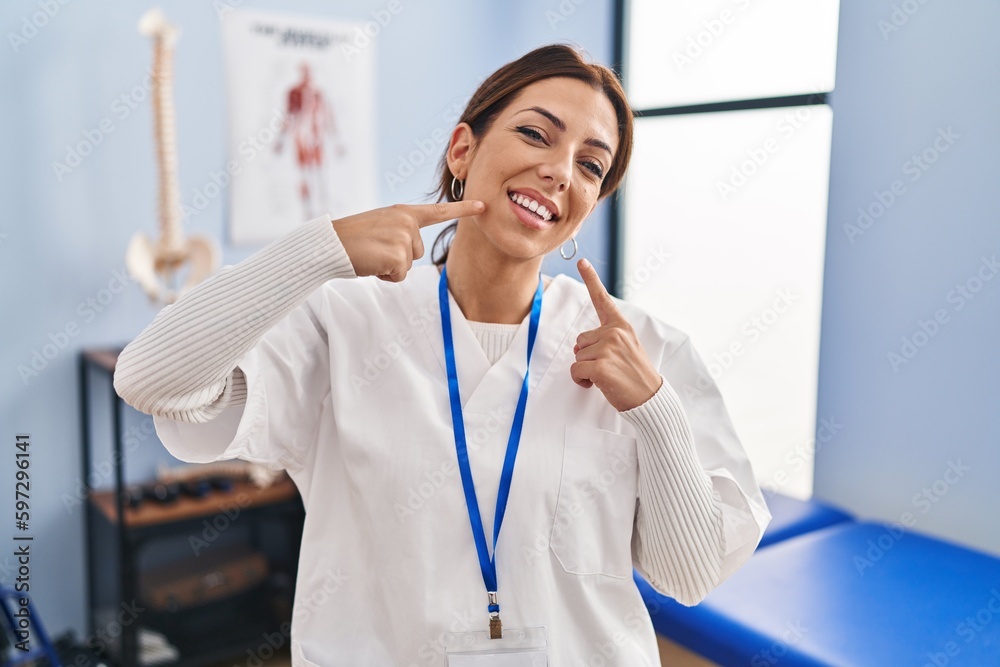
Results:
x,y
603,303
431,214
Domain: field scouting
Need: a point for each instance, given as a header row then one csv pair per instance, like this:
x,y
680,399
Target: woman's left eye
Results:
x,y
596,168
534,134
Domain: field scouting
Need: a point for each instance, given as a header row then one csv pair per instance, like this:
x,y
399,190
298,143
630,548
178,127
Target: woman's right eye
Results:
x,y
534,134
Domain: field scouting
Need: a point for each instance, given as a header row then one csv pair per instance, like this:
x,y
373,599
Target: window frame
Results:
x,y
616,238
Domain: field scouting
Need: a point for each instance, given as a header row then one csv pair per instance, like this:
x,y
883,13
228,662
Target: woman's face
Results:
x,y
555,141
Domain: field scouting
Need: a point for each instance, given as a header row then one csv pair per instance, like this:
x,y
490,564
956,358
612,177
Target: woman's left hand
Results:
x,y
611,356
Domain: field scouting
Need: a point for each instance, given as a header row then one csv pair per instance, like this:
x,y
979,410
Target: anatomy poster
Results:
x,y
300,95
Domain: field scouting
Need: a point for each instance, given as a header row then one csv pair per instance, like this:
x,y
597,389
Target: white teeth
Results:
x,y
531,205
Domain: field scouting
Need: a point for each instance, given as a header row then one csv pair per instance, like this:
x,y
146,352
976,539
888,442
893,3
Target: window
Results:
x,y
722,223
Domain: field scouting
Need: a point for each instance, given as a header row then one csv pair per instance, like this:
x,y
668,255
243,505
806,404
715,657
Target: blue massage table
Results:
x,y
791,517
850,594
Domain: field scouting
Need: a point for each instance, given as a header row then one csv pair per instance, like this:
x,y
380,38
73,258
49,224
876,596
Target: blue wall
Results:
x,y
63,242
920,436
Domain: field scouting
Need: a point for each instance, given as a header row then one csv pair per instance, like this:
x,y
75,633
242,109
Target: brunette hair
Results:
x,y
500,89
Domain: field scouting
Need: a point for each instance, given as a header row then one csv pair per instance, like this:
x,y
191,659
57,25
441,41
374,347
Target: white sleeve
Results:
x,y
251,332
700,510
287,379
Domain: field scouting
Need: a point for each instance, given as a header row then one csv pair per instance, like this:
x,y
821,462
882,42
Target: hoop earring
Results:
x,y
461,188
575,248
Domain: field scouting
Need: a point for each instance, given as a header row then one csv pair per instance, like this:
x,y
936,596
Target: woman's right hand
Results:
x,y
385,241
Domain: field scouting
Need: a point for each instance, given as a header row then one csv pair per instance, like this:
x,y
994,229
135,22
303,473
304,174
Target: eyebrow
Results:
x,y
562,126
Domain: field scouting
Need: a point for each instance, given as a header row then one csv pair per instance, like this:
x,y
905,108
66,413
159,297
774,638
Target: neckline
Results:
x,y
516,326
494,327
545,283
478,378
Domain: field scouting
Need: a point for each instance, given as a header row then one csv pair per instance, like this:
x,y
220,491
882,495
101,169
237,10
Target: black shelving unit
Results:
x,y
114,547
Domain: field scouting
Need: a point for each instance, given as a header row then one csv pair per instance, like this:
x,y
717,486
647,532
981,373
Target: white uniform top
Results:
x,y
348,392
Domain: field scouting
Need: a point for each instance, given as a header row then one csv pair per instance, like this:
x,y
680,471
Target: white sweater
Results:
x,y
495,338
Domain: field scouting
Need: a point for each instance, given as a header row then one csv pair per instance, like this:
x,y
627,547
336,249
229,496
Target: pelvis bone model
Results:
x,y
157,265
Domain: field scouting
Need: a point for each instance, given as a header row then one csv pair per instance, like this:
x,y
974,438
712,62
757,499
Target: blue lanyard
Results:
x,y
486,563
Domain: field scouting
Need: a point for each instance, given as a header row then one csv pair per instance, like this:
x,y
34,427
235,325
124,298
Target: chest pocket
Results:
x,y
595,509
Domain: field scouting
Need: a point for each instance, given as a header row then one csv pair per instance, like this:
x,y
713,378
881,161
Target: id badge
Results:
x,y
519,647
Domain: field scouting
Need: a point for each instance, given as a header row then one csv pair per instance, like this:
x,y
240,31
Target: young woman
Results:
x,y
479,447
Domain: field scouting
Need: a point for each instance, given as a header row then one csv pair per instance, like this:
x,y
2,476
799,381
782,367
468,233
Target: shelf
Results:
x,y
200,633
104,358
244,495
214,643
204,634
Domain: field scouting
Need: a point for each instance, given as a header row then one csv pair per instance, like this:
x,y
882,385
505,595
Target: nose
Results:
x,y
558,169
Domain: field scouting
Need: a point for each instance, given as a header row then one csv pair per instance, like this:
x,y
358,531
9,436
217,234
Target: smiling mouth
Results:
x,y
529,219
552,216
